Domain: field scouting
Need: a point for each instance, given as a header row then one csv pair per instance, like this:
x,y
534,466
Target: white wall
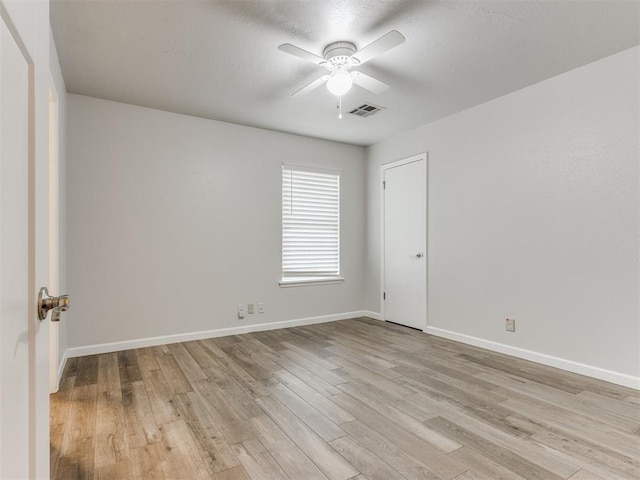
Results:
x,y
175,220
533,214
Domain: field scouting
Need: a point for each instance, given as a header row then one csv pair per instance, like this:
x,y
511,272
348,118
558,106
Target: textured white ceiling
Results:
x,y
219,59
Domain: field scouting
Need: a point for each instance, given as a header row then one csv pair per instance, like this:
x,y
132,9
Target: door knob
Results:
x,y
417,255
57,304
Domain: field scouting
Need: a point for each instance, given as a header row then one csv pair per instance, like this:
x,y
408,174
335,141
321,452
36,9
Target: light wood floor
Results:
x,y
355,399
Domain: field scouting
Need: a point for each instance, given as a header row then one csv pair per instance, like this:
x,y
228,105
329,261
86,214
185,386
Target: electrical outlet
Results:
x,y
261,308
240,311
510,324
250,308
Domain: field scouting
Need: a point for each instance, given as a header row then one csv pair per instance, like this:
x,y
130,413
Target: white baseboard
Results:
x,y
374,315
63,363
221,332
549,360
59,373
564,364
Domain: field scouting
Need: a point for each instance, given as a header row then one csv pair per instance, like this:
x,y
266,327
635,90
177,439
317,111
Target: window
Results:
x,y
310,226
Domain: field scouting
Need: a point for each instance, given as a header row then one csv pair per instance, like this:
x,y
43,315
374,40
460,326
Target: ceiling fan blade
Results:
x,y
370,83
311,86
379,46
300,53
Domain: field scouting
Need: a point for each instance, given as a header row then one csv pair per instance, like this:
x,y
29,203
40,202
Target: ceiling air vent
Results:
x,y
366,110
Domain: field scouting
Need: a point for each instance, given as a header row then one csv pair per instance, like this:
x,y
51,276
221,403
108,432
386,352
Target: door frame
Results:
x,y
424,157
54,233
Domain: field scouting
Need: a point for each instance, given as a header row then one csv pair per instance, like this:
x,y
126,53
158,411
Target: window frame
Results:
x,y
302,279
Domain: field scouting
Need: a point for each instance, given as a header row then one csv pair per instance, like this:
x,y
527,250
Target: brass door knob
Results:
x,y
57,304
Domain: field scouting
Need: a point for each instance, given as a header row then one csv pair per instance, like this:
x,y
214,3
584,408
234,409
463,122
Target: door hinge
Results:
x,y
384,184
384,295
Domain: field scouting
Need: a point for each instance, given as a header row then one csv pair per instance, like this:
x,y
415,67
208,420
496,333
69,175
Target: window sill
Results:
x,y
304,281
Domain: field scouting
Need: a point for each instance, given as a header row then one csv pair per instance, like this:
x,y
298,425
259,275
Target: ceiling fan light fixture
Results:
x,y
340,82
339,57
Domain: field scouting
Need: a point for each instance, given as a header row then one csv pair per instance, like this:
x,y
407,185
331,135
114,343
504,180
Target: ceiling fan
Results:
x,y
339,57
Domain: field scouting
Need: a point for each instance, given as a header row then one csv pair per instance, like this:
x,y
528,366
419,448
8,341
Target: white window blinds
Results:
x,y
310,223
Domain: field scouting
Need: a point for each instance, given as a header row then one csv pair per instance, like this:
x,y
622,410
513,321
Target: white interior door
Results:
x,y
14,258
404,240
24,389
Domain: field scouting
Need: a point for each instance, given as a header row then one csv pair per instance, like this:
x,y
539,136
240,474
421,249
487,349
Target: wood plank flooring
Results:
x,y
355,399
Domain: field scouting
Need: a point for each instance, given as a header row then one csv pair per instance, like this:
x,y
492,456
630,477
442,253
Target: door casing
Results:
x,y
54,234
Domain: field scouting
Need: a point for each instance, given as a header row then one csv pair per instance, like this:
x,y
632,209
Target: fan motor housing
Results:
x,y
340,53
